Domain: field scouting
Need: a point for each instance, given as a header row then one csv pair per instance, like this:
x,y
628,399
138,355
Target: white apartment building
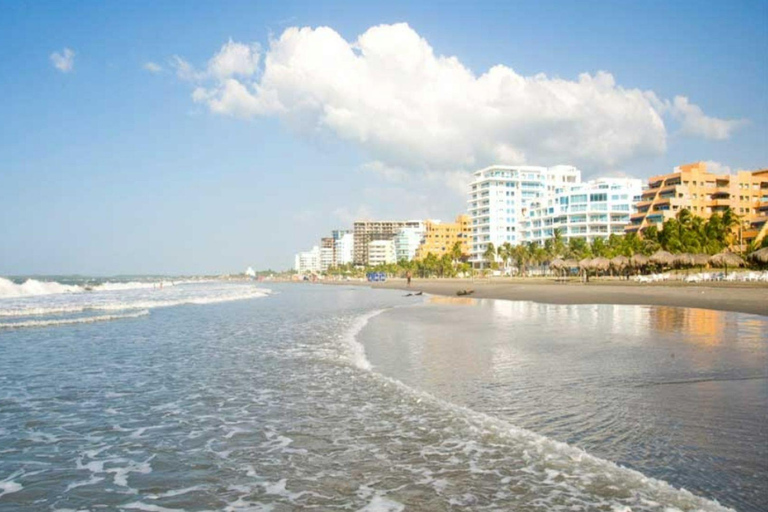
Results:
x,y
344,244
326,258
407,241
595,209
308,262
381,252
500,197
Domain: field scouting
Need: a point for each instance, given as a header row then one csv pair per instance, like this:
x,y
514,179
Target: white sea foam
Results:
x,y
68,321
33,287
565,455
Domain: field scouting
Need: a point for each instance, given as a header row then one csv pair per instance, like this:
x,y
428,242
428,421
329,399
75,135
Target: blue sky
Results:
x,y
107,167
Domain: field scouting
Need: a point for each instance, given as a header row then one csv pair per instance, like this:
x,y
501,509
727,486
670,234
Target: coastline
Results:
x,y
739,298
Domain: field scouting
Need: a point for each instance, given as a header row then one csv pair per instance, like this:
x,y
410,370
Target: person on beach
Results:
x,y
408,278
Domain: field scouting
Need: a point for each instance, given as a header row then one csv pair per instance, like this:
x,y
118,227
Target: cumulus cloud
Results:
x,y
717,167
694,122
63,61
410,108
152,67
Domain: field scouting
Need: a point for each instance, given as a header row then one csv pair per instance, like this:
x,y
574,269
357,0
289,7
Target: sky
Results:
x,y
203,137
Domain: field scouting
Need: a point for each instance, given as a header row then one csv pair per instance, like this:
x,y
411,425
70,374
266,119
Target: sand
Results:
x,y
739,297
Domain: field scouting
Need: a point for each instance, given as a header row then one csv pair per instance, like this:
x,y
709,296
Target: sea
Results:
x,y
182,394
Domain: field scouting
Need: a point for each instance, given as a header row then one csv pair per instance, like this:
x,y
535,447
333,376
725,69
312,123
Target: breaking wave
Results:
x,y
68,321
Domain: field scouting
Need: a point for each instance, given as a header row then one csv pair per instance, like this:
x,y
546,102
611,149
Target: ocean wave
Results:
x,y
68,321
141,303
647,492
33,287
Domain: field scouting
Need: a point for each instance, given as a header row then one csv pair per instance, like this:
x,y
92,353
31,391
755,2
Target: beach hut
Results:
x,y
726,259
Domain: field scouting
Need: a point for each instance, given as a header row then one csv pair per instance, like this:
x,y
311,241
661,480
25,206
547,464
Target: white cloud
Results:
x,y
63,61
694,122
717,167
411,109
152,67
235,59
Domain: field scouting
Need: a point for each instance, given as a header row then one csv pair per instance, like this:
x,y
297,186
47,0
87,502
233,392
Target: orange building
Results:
x,y
440,237
692,187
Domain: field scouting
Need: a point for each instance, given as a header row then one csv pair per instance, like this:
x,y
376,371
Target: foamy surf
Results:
x,y
559,464
71,321
126,300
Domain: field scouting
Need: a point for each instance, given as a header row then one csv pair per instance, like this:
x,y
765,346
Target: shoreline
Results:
x,y
739,298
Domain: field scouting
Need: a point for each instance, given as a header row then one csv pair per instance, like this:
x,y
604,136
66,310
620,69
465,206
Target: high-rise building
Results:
x,y
366,232
343,247
703,193
326,253
595,209
500,197
381,252
407,242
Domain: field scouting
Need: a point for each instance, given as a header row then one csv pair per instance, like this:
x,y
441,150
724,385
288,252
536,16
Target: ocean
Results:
x,y
231,396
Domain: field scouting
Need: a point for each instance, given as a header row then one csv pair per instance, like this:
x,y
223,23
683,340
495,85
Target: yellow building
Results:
x,y
692,187
440,237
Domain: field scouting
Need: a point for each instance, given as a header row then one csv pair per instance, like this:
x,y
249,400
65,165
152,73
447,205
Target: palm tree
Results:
x,y
505,253
490,254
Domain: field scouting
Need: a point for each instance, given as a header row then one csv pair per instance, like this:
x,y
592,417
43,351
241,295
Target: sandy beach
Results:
x,y
738,297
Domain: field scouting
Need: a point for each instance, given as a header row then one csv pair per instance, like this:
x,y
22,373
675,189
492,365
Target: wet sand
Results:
x,y
739,297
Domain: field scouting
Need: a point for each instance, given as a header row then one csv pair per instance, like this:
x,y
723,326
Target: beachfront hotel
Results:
x,y
692,187
367,231
407,242
594,209
440,237
500,197
343,246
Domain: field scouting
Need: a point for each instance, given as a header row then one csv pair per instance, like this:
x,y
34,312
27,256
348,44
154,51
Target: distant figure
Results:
x,y
408,277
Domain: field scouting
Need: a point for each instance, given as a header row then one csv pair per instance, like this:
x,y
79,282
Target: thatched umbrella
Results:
x,y
760,256
700,260
662,258
584,265
556,264
639,261
684,259
726,259
619,263
600,264
570,263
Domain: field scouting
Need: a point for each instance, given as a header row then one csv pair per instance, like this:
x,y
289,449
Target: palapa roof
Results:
x,y
760,255
661,257
639,260
600,263
619,261
726,259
